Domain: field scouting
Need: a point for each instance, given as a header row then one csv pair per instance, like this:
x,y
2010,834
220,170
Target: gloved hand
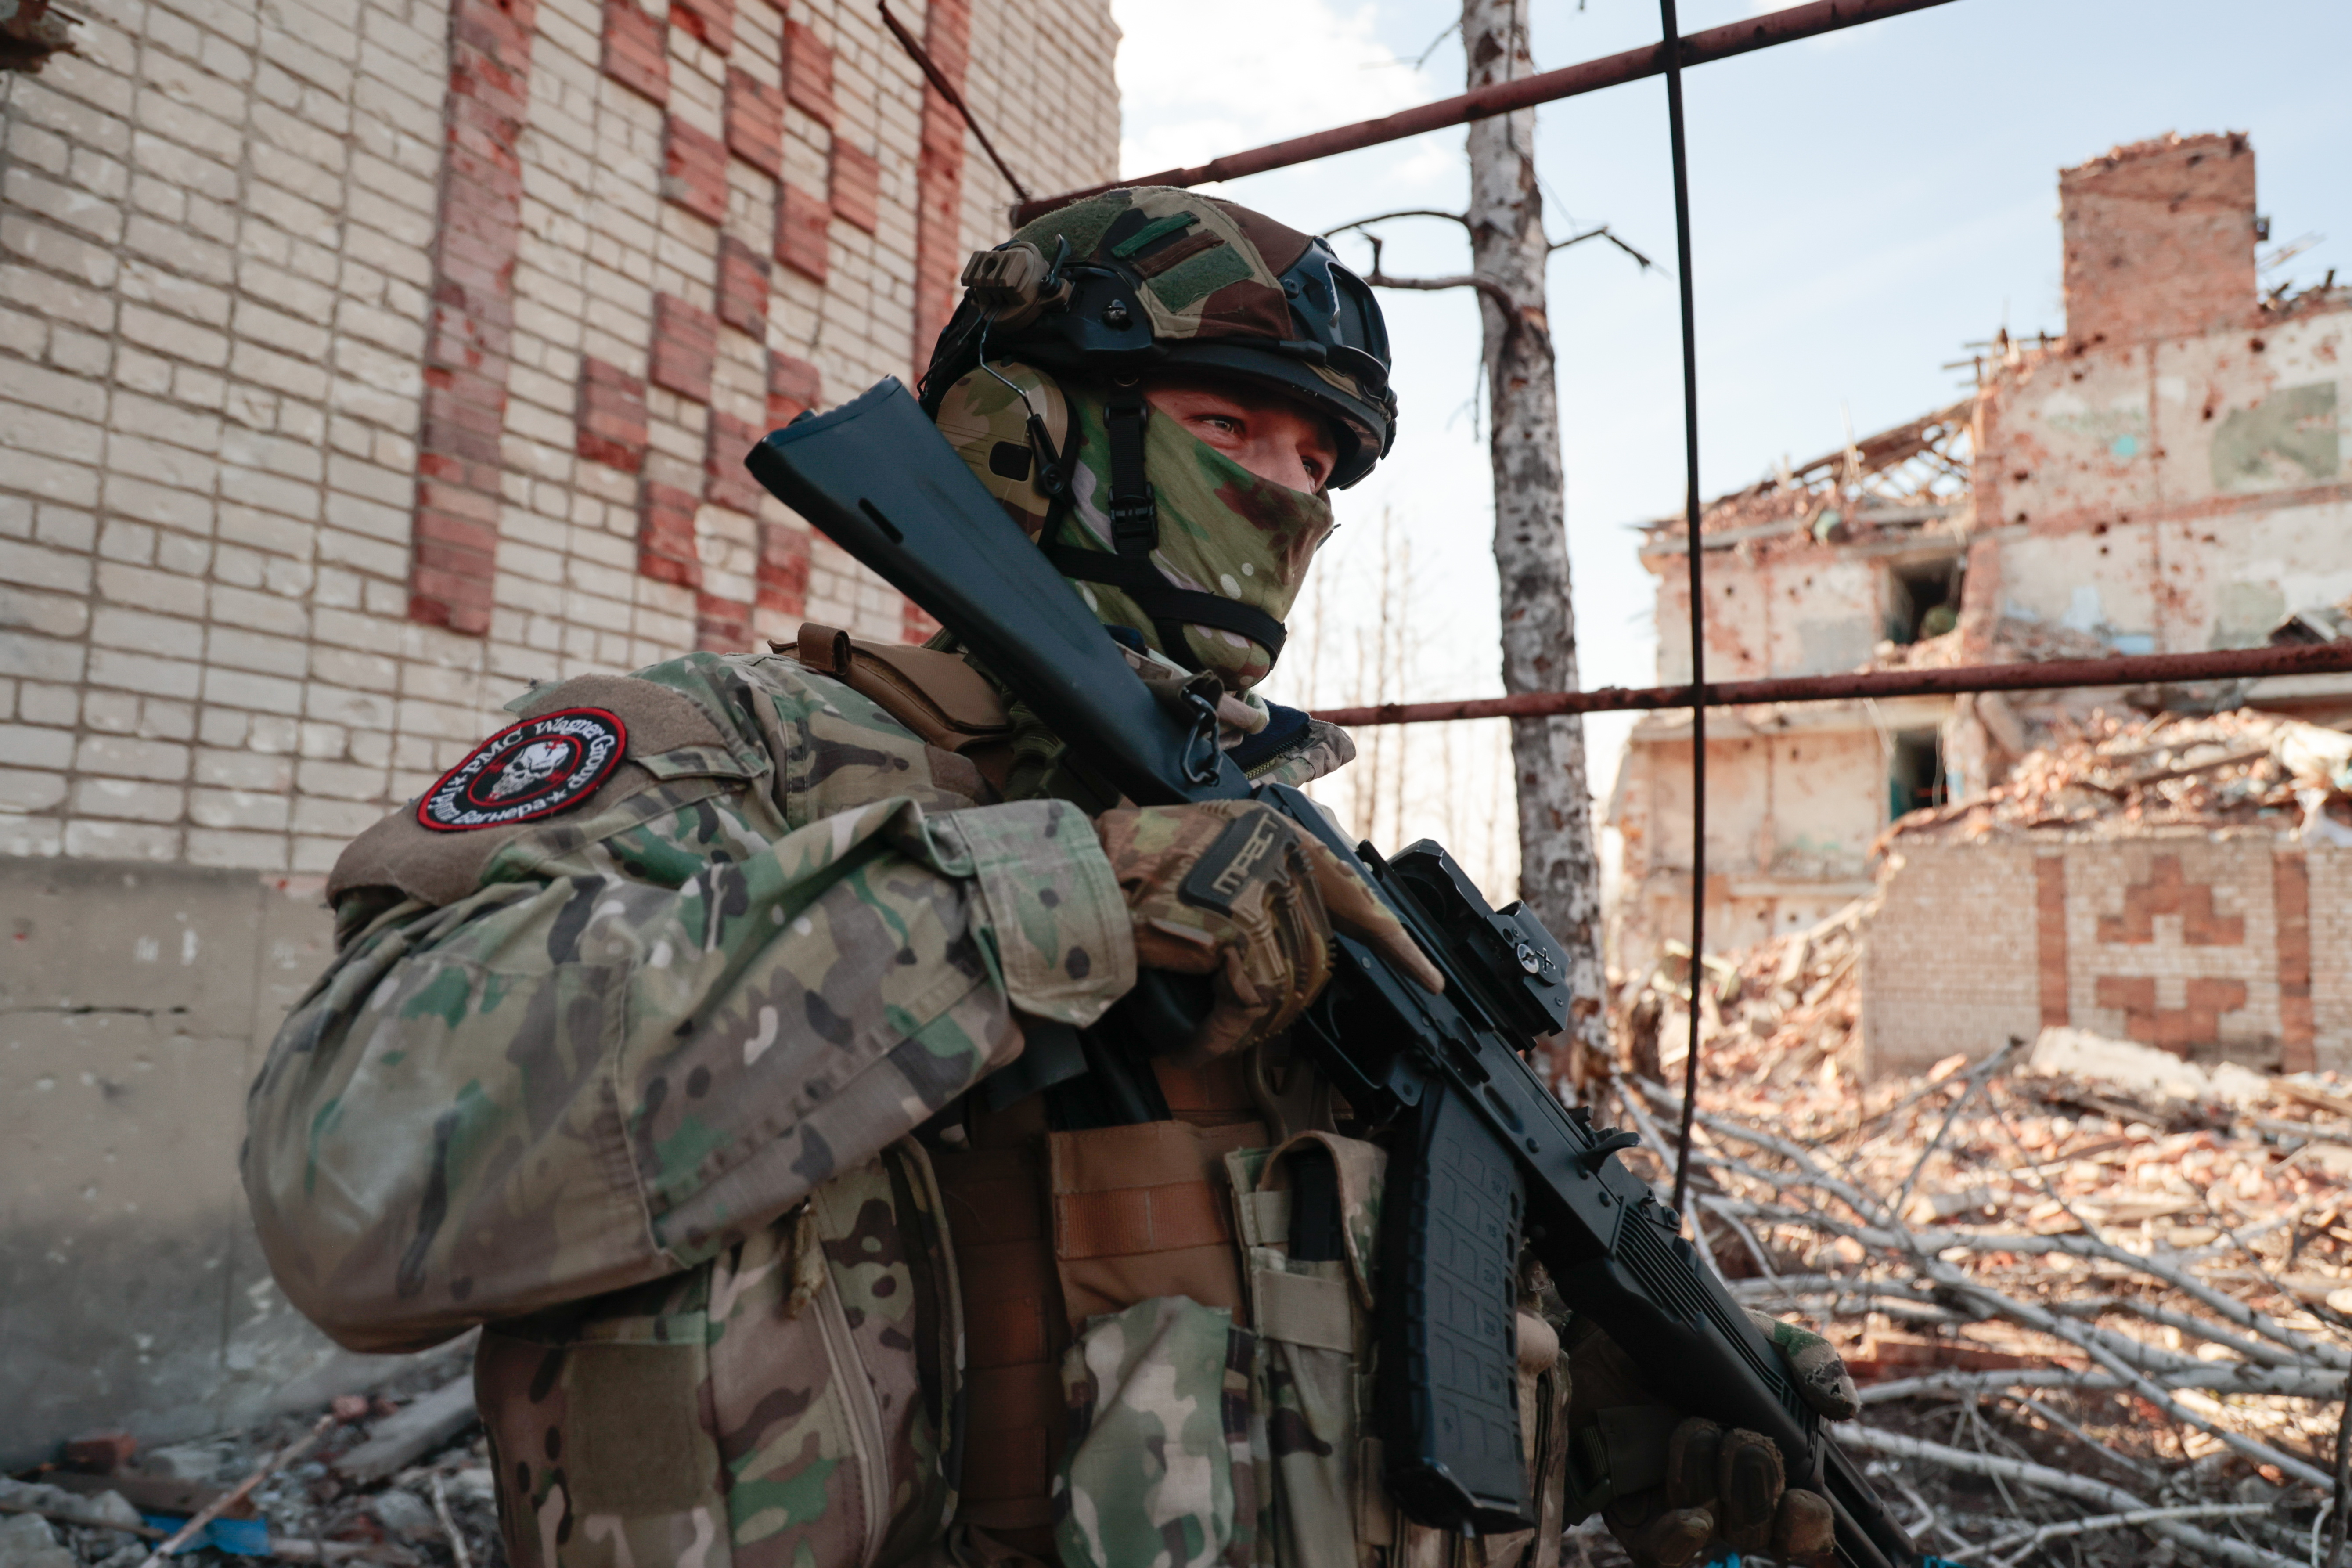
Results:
x,y
1234,890
1682,1482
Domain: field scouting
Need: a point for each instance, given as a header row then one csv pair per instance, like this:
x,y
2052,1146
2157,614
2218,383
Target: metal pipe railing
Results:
x,y
1502,97
2138,670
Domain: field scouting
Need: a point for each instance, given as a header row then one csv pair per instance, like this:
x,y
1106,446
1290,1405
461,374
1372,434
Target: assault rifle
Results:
x,y
1483,1157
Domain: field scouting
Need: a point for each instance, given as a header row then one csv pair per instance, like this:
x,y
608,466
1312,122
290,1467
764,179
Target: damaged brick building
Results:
x,y
362,361
2166,477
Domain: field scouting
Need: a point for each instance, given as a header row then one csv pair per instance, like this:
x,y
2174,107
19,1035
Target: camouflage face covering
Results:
x,y
1223,529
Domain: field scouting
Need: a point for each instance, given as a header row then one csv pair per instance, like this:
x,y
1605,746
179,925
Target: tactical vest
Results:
x,y
1239,1233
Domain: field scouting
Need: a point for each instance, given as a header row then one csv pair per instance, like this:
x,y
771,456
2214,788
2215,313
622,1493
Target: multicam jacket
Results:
x,y
633,1086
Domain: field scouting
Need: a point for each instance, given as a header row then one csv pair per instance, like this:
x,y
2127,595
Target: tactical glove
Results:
x,y
1234,890
1677,1483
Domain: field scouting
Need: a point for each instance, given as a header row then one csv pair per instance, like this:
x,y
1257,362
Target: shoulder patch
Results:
x,y
527,771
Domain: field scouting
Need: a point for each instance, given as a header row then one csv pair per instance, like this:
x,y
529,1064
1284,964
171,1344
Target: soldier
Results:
x,y
668,1033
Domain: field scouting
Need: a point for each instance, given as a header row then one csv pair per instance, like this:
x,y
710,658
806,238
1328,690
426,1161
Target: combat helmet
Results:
x,y
1158,277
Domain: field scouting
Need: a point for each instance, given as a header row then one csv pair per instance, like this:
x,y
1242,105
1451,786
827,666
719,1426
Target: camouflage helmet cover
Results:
x,y
1155,276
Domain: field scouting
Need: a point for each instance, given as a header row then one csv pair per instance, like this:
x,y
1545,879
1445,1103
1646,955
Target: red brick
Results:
x,y
2176,1029
808,71
101,1452
665,549
636,54
712,21
685,341
612,416
2160,239
2049,931
721,626
794,387
856,180
726,481
755,122
453,557
694,171
783,568
2168,892
2291,891
915,623
802,220
939,177
742,286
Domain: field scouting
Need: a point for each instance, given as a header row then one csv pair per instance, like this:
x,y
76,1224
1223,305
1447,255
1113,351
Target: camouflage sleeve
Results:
x,y
559,1087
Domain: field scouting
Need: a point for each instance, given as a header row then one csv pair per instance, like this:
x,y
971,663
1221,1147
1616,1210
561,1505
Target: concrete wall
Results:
x,y
362,363
2232,944
135,1002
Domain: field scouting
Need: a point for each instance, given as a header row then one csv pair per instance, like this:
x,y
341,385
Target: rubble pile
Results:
x,y
2078,1281
1789,1008
398,1478
2106,775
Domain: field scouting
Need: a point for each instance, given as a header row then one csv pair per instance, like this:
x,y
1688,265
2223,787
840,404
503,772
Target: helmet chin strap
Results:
x,y
1135,535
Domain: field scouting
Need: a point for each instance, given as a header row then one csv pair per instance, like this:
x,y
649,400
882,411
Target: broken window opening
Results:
x,y
1923,599
1914,773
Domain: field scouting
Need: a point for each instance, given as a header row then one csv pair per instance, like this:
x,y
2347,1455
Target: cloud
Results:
x,y
1211,77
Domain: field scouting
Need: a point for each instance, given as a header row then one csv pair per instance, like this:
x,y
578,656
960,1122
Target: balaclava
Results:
x,y
1223,529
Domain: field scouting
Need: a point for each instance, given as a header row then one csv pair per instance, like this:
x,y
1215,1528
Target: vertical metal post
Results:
x,y
1674,60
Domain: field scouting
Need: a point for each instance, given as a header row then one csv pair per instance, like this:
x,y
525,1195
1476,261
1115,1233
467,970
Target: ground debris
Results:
x,y
2081,1256
311,1511
2106,774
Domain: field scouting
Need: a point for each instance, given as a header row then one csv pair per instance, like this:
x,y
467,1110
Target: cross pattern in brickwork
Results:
x,y
731,144
2169,891
2175,1029
681,358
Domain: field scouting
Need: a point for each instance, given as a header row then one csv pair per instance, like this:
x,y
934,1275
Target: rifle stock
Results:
x,y
1485,1159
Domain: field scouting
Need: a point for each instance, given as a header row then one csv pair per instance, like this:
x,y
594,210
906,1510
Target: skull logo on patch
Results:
x,y
527,771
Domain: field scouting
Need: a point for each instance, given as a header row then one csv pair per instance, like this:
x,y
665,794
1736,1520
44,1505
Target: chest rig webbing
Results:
x,y
1095,1179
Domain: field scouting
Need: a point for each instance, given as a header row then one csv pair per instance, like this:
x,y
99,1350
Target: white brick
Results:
x,y
22,790
143,672
266,811
125,798
26,747
123,757
31,567
100,840
239,851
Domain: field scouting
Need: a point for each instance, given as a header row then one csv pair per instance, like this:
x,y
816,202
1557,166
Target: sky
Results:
x,y
1862,206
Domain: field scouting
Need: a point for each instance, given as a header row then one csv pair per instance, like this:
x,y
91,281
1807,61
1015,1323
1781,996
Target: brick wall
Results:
x,y
2232,945
2160,239
362,361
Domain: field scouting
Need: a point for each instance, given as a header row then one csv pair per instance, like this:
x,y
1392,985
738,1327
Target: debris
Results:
x,y
269,1467
27,1541
30,32
2107,775
457,1539
101,1452
405,1515
2145,1069
400,1441
2079,1257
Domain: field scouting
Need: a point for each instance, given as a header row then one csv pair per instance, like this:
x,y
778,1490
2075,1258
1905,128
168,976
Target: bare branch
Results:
x,y
1487,286
1403,212
1600,233
2214,1548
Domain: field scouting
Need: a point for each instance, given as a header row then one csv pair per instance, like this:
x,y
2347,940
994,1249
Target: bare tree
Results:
x,y
1560,868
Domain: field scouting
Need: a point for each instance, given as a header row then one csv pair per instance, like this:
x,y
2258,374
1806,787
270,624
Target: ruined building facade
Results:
x,y
362,363
2167,477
